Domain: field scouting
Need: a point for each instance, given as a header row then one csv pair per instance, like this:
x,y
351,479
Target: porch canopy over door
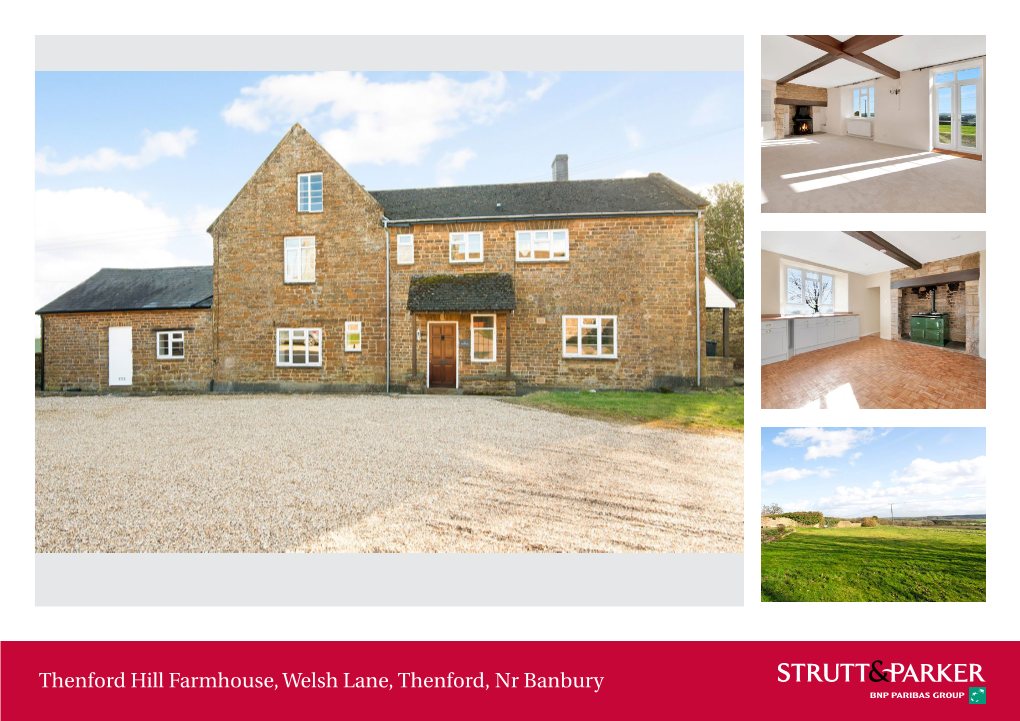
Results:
x,y
461,293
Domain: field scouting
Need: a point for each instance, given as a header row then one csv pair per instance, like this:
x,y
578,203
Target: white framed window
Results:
x,y
543,246
299,259
589,336
309,193
809,291
170,344
299,346
405,249
483,338
864,102
466,248
766,106
352,336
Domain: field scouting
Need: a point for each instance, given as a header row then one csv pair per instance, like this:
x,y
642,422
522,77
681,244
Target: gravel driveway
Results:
x,y
373,473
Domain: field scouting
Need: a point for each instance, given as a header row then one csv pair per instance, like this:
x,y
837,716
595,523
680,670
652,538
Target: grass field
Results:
x,y
712,410
886,563
968,133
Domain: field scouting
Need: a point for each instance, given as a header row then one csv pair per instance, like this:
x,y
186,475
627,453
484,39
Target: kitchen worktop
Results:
x,y
776,316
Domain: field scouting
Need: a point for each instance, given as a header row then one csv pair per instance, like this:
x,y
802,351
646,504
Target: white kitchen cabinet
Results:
x,y
826,330
775,341
814,333
805,334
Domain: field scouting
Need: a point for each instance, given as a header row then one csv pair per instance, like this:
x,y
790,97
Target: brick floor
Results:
x,y
876,374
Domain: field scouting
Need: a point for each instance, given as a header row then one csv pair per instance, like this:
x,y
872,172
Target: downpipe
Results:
x,y
386,227
697,288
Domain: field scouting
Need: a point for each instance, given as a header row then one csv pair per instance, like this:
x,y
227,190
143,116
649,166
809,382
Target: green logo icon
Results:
x,y
977,694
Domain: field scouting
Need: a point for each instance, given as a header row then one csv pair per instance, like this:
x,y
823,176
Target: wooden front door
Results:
x,y
443,355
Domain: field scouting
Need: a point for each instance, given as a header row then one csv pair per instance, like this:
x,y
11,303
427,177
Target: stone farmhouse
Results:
x,y
318,284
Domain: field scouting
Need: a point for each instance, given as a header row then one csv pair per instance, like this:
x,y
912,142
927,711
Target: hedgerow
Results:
x,y
809,518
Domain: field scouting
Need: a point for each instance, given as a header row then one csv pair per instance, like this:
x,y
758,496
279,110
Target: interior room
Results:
x,y
873,124
873,319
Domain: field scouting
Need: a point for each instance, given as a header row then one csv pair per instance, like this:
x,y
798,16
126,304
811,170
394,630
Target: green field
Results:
x,y
969,133
712,410
886,563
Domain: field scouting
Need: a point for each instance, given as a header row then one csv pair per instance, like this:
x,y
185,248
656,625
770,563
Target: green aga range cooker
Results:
x,y
930,328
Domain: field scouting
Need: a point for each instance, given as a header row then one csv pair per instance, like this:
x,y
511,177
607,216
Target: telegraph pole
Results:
x,y
891,516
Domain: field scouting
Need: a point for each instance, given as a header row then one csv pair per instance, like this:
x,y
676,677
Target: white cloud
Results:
x,y
548,80
793,474
824,443
923,477
453,163
948,438
633,174
634,137
82,230
363,121
854,457
164,144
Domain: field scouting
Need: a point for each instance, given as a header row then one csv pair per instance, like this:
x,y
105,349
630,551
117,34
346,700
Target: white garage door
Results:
x,y
120,356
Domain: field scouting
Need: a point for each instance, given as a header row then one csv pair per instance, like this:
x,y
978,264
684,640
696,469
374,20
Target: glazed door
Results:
x,y
958,104
443,355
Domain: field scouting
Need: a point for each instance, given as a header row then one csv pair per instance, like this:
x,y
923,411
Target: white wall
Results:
x,y
768,129
903,119
882,281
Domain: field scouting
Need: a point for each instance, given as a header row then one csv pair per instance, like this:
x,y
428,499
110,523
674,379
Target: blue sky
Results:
x,y
131,167
850,472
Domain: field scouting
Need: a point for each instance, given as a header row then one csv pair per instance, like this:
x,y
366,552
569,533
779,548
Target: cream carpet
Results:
x,y
841,174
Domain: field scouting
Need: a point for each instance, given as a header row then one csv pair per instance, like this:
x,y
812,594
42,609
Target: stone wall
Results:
x,y
640,270
961,301
38,370
76,350
714,331
252,299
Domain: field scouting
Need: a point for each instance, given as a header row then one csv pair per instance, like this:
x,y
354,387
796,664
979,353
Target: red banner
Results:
x,y
787,679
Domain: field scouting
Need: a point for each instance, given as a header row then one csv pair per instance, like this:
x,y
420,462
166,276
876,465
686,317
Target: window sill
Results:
x,y
299,365
309,212
466,262
170,358
591,357
299,282
480,360
543,260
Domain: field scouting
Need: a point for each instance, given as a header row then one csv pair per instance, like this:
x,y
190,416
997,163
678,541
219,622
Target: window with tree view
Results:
x,y
864,102
809,291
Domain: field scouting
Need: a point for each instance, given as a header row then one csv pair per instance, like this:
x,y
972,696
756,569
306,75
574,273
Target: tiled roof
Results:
x,y
467,292
653,194
138,289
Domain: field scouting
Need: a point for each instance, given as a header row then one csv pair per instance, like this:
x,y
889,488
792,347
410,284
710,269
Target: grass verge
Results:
x,y
886,563
721,409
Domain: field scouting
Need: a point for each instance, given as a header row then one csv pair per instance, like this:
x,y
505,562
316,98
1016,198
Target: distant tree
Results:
x,y
771,509
724,236
869,522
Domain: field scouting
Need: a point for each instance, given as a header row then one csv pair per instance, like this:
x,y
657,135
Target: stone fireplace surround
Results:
x,y
957,298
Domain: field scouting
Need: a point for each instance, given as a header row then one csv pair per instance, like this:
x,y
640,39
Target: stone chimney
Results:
x,y
559,168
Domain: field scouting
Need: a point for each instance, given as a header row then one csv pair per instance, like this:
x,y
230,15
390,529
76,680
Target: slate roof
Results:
x,y
138,289
467,292
653,194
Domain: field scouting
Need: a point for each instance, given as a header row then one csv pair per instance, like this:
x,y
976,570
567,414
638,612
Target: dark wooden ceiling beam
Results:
x,y
813,65
869,62
873,240
851,49
826,43
863,43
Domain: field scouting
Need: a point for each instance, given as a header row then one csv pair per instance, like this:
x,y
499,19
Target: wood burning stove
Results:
x,y
801,124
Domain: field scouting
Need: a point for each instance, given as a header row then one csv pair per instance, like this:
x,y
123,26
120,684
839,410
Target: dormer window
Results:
x,y
309,193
